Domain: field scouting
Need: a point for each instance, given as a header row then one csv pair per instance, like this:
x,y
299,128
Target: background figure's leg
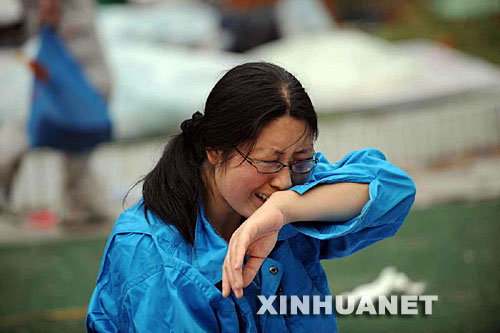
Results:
x,y
78,191
13,146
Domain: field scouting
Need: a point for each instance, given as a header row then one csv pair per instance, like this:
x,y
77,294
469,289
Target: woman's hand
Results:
x,y
49,12
258,234
257,237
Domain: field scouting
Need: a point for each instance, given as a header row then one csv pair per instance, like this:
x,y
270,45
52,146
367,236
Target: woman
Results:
x,y
240,205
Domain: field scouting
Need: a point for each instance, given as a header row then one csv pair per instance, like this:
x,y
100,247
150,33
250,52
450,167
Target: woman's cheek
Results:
x,y
254,181
245,187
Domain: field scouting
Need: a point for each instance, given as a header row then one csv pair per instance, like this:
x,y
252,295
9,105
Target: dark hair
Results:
x,y
241,104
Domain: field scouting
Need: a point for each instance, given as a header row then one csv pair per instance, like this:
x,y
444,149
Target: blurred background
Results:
x,y
419,80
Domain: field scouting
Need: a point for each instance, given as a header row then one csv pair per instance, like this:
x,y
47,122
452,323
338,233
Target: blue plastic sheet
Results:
x,y
67,112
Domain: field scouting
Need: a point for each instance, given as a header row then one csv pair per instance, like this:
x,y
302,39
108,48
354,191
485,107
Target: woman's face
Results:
x,y
240,189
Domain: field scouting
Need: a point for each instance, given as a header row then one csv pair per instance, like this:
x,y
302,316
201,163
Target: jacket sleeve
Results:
x,y
392,193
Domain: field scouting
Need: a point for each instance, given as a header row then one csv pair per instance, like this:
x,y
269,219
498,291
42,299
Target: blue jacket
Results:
x,y
152,280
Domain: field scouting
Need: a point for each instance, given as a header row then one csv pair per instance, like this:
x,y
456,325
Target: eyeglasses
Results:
x,y
268,167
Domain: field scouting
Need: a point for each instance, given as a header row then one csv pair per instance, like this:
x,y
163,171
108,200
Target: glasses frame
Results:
x,y
251,161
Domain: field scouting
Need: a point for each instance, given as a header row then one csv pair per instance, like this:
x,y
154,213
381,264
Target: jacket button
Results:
x,y
273,270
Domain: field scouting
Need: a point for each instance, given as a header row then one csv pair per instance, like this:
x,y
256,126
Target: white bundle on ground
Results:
x,y
388,282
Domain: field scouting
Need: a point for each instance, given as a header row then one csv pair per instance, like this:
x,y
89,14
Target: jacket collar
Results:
x,y
210,249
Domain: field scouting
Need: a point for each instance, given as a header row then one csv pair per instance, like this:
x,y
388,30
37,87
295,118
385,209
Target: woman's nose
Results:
x,y
282,179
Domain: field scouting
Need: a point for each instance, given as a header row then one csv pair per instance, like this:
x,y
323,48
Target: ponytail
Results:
x,y
173,189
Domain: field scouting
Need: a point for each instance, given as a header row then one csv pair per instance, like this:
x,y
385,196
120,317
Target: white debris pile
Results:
x,y
389,281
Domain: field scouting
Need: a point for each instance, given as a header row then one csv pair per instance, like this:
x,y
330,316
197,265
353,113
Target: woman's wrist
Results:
x,y
284,201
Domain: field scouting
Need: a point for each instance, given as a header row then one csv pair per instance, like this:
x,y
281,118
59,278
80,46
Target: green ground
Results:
x,y
453,248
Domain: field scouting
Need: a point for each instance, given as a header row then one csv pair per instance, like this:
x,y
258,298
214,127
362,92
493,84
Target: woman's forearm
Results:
x,y
328,202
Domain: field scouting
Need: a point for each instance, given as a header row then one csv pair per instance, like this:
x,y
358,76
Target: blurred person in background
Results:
x,y
250,23
74,21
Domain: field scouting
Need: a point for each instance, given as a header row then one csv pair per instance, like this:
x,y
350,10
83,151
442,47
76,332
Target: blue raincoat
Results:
x,y
152,280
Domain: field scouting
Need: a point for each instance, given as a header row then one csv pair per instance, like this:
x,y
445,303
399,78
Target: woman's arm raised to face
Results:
x,y
258,235
356,202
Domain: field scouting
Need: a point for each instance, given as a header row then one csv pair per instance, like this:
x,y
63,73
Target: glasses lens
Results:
x,y
268,167
304,166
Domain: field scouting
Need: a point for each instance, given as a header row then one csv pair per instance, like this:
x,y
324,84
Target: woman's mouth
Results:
x,y
261,197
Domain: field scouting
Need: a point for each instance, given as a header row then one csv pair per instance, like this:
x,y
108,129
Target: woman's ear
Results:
x,y
214,156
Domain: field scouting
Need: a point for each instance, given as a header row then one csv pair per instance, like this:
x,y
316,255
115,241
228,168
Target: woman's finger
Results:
x,y
225,282
250,270
230,284
234,269
239,250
